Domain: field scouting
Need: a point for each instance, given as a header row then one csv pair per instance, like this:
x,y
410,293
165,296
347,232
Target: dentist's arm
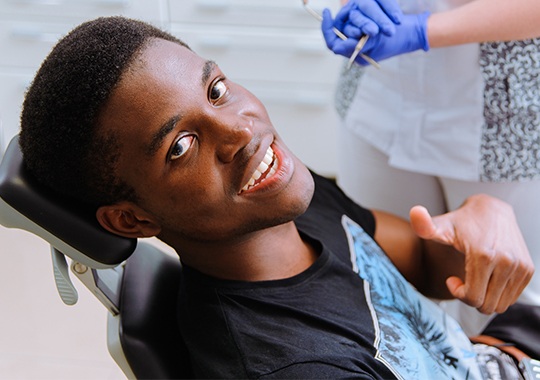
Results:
x,y
485,20
475,253
476,21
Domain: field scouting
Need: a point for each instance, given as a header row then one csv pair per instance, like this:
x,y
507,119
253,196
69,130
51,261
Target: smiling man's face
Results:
x,y
200,150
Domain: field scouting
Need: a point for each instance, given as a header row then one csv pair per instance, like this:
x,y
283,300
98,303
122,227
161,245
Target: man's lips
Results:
x,y
266,168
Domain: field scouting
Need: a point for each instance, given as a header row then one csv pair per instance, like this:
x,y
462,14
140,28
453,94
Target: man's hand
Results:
x,y
497,262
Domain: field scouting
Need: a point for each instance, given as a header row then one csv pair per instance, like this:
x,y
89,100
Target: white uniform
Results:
x,y
434,127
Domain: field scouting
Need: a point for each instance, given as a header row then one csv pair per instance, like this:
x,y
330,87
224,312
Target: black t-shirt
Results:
x,y
350,315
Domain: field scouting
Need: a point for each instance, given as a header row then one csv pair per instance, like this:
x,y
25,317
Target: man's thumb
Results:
x,y
422,223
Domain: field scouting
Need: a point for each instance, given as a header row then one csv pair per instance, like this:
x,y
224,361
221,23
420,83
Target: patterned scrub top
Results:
x,y
469,112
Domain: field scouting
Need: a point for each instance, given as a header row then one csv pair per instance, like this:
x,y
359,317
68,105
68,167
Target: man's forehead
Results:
x,y
159,51
168,66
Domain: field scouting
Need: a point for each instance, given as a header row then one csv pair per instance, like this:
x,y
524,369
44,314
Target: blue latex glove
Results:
x,y
372,16
410,35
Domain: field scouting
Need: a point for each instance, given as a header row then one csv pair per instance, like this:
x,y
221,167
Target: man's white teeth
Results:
x,y
262,168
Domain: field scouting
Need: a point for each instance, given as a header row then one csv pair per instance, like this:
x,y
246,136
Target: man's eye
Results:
x,y
181,146
217,91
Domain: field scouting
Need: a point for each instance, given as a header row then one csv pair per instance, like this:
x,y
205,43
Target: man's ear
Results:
x,y
128,220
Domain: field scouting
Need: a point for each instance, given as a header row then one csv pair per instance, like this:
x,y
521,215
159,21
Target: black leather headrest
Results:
x,y
69,226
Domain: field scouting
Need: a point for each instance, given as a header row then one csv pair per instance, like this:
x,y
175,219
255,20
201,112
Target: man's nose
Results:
x,y
233,139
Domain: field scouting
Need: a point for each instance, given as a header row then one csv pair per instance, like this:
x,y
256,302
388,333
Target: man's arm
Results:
x,y
411,255
475,253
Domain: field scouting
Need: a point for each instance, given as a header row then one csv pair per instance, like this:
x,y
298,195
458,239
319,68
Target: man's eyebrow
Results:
x,y
206,71
168,126
159,136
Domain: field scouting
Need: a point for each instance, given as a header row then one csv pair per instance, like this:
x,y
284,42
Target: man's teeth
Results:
x,y
262,168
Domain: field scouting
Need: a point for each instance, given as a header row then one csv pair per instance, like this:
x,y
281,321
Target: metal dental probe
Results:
x,y
338,33
357,49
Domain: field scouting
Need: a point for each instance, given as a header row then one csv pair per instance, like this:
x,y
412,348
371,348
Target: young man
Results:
x,y
284,275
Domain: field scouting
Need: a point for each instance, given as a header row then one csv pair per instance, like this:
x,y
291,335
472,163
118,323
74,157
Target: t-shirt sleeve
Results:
x,y
332,198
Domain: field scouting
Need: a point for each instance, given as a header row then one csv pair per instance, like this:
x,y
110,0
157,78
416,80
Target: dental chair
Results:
x,y
137,282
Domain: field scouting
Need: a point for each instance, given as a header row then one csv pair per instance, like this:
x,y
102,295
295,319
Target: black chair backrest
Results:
x,y
150,335
69,226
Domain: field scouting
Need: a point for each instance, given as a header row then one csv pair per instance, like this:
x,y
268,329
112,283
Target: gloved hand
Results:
x,y
371,16
410,35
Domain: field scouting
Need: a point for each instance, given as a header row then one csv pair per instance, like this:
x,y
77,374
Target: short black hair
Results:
x,y
58,138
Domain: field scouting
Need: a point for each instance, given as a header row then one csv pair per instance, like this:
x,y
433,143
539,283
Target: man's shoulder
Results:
x,y
330,203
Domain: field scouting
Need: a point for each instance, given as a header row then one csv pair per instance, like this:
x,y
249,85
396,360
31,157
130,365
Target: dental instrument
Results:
x,y
357,50
338,33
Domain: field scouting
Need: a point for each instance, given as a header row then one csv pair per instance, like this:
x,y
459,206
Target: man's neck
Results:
x,y
274,253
